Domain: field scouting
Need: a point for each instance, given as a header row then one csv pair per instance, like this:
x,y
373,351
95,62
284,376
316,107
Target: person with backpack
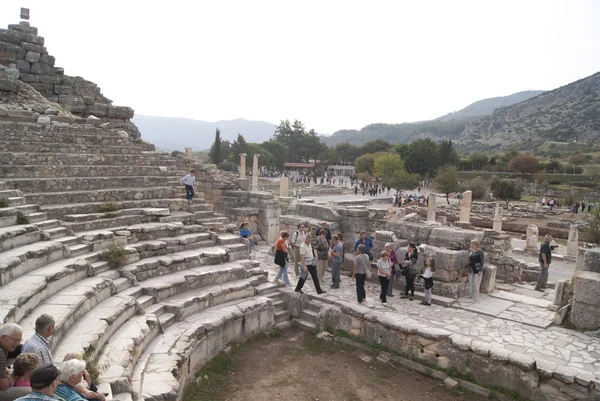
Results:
x,y
366,241
281,258
322,246
409,270
427,276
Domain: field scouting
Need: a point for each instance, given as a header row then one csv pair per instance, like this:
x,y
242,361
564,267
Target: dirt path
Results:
x,y
297,366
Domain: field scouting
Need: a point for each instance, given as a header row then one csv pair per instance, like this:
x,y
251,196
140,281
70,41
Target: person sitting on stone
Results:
x,y
11,336
85,386
246,233
71,372
38,343
44,381
23,368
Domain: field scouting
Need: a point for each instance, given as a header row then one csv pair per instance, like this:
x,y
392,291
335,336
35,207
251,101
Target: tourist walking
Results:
x,y
322,254
361,264
410,270
189,180
281,257
296,241
395,267
476,261
309,265
428,280
545,258
337,253
384,273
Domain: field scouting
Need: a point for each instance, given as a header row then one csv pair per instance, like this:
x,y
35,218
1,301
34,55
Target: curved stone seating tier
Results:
x,y
61,147
8,215
176,354
34,185
79,159
104,195
42,171
15,236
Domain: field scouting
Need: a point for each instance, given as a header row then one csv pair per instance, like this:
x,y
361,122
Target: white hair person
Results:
x,y
8,329
71,371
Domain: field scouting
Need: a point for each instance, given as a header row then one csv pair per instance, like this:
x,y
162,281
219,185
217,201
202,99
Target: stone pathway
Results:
x,y
495,320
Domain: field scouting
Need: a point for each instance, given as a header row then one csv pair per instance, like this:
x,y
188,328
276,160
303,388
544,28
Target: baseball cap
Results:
x,y
43,376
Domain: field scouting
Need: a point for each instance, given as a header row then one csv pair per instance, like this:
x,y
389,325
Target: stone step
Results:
x,y
226,239
304,324
266,288
68,306
15,236
97,207
83,159
183,216
197,206
281,316
118,221
8,215
48,224
61,147
145,300
309,315
102,195
226,326
166,319
36,217
2,186
57,232
79,249
85,171
16,201
74,184
10,193
278,304
157,212
28,208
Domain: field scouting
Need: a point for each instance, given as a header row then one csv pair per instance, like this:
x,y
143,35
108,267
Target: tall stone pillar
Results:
x,y
284,186
431,207
255,173
188,152
572,242
532,238
243,165
497,225
465,207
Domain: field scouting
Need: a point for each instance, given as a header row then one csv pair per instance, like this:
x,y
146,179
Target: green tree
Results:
x,y
376,146
506,189
479,161
366,164
225,150
303,146
347,152
479,188
266,158
446,180
448,155
215,149
507,157
238,146
278,150
578,159
421,157
390,168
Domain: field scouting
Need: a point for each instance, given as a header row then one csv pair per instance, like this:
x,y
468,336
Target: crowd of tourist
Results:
x,y
34,374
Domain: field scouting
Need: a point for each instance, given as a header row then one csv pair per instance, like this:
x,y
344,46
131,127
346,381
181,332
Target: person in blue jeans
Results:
x,y
246,233
190,183
281,257
337,253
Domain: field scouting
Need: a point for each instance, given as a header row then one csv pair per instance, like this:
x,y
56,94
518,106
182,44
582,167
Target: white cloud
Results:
x,y
331,64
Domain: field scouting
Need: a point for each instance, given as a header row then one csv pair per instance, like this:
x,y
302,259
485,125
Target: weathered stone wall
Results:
x,y
495,245
488,364
261,209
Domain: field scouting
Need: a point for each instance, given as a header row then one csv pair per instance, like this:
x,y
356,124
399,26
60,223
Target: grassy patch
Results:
x,y
4,202
215,378
115,255
22,219
275,333
109,207
92,367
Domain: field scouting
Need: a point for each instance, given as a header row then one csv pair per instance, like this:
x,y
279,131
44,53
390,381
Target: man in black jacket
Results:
x,y
545,258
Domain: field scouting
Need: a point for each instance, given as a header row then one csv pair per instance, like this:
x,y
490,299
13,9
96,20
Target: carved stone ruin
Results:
x,y
243,165
431,208
465,206
188,152
532,238
284,186
572,242
497,222
255,173
24,13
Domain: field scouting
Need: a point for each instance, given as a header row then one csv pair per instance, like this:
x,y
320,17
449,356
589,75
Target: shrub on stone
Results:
x,y
115,255
109,207
4,202
22,219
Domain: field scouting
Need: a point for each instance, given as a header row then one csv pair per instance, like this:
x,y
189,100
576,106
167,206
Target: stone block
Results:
x,y
33,48
9,85
588,260
450,264
318,212
50,79
23,28
32,57
29,77
58,71
72,103
63,89
488,281
44,89
47,59
450,236
97,109
23,66
586,288
120,112
88,100
585,316
93,120
44,120
41,69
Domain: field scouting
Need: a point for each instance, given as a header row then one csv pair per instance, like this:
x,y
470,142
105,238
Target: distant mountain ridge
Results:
x,y
488,106
450,125
173,133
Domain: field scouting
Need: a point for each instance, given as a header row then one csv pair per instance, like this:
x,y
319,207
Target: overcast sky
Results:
x,y
331,64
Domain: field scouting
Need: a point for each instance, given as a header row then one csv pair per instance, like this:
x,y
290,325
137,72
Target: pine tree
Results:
x,y
215,149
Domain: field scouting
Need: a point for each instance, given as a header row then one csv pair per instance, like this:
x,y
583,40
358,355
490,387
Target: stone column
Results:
x,y
572,243
532,238
255,173
432,207
188,152
465,206
243,165
498,219
284,186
